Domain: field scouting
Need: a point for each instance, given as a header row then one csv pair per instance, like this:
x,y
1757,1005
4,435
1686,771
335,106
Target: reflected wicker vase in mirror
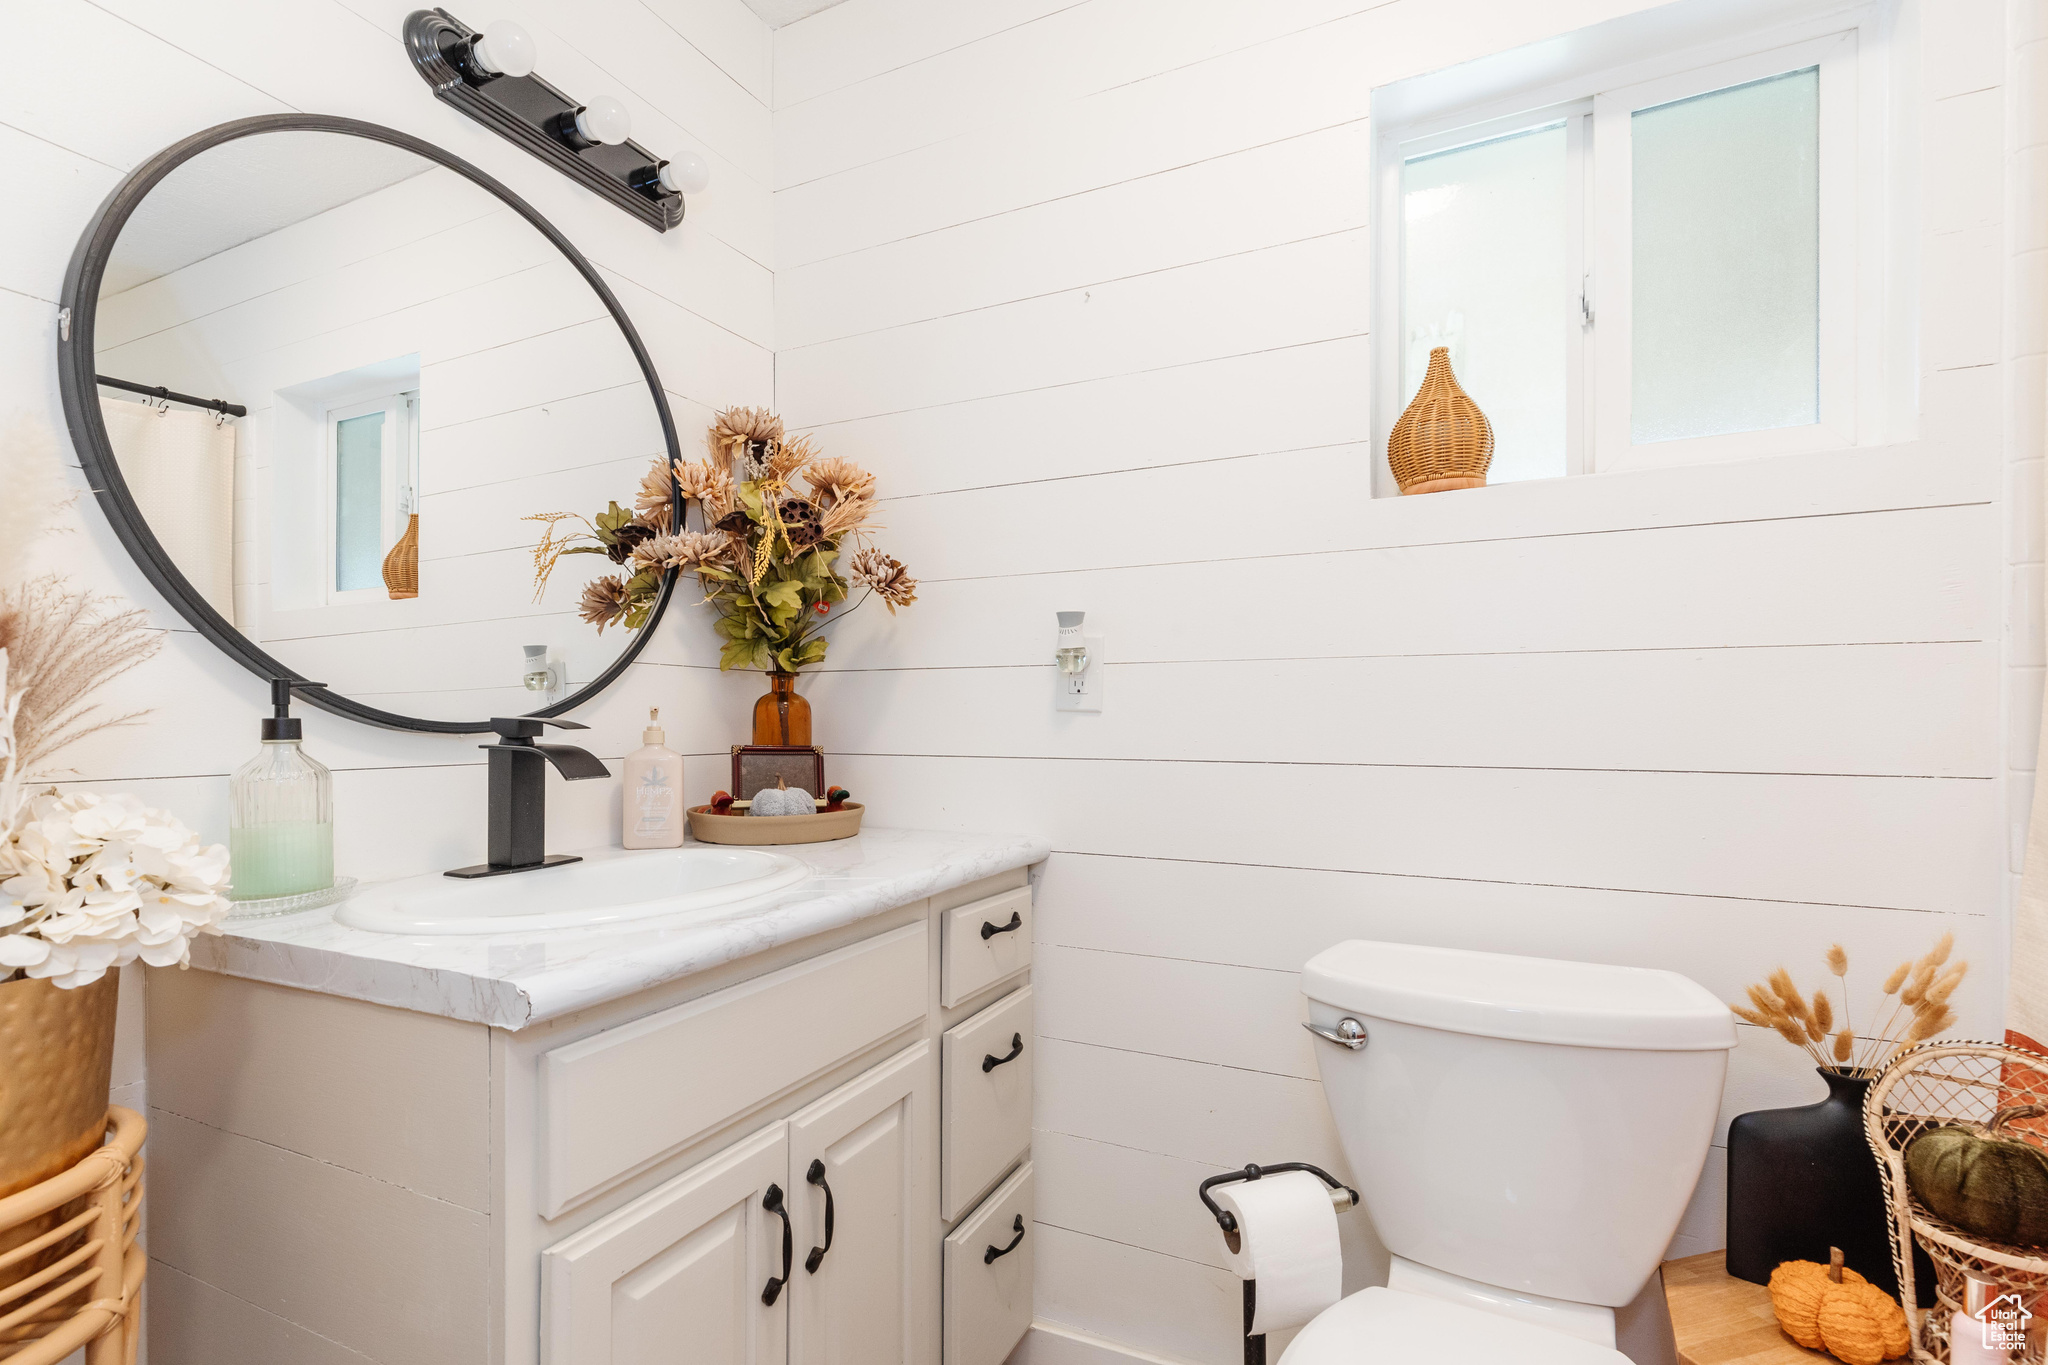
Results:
x,y
1443,440
402,564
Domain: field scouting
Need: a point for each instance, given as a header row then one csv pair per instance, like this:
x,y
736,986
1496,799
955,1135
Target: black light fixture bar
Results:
x,y
219,405
531,113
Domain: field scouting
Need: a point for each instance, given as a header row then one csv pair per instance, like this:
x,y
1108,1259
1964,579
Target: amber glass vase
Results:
x,y
781,716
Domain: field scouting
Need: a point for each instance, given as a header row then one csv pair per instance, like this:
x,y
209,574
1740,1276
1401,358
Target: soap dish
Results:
x,y
269,906
713,828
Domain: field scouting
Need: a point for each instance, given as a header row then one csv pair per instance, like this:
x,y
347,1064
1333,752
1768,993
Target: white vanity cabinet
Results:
x,y
815,1155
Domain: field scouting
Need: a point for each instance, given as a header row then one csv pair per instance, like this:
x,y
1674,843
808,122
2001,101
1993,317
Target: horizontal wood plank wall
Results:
x,y
695,74
1085,283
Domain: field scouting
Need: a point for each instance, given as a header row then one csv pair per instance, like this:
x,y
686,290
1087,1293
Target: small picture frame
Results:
x,y
755,766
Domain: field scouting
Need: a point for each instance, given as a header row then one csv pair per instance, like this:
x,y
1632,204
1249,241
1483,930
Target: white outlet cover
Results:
x,y
1089,696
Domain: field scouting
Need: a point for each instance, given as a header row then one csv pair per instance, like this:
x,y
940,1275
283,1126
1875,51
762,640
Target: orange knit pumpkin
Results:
x,y
1848,1317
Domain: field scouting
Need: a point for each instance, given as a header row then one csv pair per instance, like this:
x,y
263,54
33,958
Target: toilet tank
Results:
x,y
1526,1122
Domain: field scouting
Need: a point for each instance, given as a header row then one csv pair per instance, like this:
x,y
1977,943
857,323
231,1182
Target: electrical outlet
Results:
x,y
1081,691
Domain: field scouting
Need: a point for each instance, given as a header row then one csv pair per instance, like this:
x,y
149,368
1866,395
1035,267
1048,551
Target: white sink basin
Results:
x,y
608,886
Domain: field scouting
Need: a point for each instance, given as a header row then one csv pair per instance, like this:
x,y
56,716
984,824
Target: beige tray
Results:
x,y
775,829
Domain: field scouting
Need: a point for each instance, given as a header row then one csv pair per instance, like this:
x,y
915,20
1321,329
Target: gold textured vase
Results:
x,y
1443,440
56,1059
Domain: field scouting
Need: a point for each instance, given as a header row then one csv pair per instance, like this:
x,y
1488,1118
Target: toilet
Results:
x,y
1524,1134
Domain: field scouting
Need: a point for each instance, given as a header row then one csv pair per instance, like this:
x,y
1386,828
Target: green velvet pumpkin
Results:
x,y
1990,1186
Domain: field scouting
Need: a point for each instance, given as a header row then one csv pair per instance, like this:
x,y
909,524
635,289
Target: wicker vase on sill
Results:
x,y
402,564
1443,440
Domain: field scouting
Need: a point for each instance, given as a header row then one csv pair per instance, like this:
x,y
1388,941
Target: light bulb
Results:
x,y
687,174
605,120
504,49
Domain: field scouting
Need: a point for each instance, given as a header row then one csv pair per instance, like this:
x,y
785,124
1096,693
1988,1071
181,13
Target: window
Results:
x,y
1662,268
372,462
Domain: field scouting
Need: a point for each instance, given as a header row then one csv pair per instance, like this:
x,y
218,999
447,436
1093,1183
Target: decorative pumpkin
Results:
x,y
1860,1324
783,799
721,802
1797,1287
1989,1185
1831,1308
836,798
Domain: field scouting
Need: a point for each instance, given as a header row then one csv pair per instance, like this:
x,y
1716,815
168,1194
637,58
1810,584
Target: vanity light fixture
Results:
x,y
489,76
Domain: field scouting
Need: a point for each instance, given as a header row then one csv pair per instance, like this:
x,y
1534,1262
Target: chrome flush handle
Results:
x,y
1348,1033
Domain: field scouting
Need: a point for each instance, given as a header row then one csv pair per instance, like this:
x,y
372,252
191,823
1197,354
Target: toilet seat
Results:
x,y
1388,1327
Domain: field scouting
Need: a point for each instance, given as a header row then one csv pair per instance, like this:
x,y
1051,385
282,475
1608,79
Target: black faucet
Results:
x,y
518,835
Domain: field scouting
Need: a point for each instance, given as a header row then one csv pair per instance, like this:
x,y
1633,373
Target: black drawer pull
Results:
x,y
988,1257
772,1201
816,1176
989,931
990,1061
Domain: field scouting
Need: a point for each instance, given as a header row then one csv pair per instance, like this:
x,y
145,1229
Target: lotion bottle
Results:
x,y
653,799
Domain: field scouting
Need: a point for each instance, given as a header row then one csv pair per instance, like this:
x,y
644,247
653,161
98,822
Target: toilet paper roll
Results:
x,y
1289,1245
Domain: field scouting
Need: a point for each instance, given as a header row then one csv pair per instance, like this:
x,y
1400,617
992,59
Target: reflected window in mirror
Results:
x,y
373,461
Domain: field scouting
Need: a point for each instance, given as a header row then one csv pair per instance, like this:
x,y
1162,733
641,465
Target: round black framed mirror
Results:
x,y
323,377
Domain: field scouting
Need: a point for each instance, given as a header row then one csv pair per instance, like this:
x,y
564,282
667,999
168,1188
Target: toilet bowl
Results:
x,y
1524,1133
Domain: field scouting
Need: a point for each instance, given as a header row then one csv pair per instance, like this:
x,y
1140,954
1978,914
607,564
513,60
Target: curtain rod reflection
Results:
x,y
226,409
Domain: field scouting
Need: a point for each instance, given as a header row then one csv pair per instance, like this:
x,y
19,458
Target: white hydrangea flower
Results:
x,y
91,882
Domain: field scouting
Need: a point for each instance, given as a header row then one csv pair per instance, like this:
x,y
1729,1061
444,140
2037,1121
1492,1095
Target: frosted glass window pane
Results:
x,y
1485,273
359,502
1727,261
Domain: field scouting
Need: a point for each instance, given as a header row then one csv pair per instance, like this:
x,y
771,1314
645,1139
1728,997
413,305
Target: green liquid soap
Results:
x,y
283,859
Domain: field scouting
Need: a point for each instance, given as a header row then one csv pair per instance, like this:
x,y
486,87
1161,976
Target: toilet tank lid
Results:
x,y
1534,999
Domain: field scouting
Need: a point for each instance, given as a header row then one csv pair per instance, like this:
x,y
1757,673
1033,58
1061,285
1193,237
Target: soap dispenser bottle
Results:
x,y
653,804
281,812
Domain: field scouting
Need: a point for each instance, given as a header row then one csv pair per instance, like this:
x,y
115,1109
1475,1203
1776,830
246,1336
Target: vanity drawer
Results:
x,y
988,1300
616,1102
987,1065
976,960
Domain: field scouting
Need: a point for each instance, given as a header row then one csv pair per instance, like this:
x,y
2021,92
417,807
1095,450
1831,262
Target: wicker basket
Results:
x,y
1934,1084
1443,441
71,1274
402,565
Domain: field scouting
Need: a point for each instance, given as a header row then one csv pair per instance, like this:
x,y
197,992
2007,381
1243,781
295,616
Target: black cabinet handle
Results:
x,y
989,931
772,1201
988,1257
990,1061
816,1176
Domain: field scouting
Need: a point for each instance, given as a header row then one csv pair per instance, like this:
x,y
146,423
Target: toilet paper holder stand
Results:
x,y
1341,1195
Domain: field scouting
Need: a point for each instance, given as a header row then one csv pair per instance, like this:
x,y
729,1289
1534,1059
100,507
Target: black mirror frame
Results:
x,y
77,374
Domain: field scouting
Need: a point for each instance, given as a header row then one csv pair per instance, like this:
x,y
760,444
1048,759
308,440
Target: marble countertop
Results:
x,y
512,980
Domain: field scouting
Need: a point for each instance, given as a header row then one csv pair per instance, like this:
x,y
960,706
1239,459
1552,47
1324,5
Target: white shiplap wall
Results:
x,y
1085,283
88,88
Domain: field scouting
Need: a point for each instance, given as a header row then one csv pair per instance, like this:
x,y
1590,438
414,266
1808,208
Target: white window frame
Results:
x,y
1858,200
397,459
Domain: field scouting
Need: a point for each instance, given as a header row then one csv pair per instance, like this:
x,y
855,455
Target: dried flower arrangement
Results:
x,y
87,882
1912,1008
775,516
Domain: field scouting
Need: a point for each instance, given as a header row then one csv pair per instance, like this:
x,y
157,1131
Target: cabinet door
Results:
x,y
865,1291
989,1261
678,1274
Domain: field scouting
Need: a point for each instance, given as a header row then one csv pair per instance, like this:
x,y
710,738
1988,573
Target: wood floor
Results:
x,y
1720,1320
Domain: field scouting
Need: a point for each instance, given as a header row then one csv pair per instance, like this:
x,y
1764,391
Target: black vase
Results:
x,y
1803,1180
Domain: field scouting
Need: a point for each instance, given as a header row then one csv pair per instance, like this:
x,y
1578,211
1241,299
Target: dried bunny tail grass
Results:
x,y
1823,1021
1927,1023
1898,976
1750,1016
1938,954
32,472
1915,990
62,646
1945,985
1838,960
1845,1045
1795,1003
